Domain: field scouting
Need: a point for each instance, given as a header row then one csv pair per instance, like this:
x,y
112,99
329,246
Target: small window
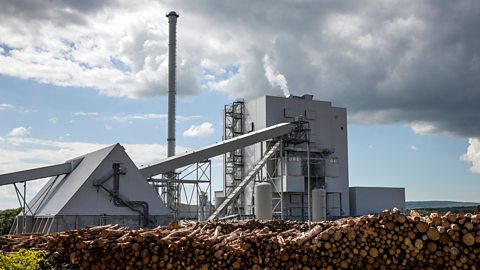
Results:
x,y
333,160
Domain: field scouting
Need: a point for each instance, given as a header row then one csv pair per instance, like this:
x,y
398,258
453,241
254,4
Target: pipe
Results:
x,y
309,186
116,179
172,43
282,173
24,207
116,171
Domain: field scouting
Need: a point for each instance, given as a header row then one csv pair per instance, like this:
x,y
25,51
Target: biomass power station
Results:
x,y
284,158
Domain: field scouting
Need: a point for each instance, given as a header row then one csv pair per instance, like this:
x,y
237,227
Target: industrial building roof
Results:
x,y
74,193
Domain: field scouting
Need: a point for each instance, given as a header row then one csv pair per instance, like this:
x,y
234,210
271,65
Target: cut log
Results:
x,y
386,241
433,234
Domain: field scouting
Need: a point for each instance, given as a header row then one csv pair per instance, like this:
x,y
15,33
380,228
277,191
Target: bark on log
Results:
x,y
389,240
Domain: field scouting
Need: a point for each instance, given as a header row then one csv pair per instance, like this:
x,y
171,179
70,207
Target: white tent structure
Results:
x,y
105,187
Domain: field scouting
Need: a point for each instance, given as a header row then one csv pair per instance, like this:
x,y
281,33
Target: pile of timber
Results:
x,y
389,240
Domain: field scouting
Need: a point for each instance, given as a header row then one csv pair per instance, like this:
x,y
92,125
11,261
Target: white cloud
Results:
x,y
424,128
148,116
85,113
386,61
23,110
473,154
119,49
53,120
203,130
413,147
5,106
19,153
132,117
18,132
66,135
147,154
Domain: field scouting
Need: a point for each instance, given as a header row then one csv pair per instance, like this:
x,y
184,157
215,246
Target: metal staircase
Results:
x,y
251,175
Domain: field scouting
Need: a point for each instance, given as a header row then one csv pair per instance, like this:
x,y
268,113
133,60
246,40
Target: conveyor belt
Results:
x,y
38,173
245,181
178,161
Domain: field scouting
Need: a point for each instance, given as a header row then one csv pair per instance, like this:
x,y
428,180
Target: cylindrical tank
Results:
x,y
319,209
263,201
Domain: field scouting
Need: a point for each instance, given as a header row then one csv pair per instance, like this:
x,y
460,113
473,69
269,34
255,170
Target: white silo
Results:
x,y
319,207
263,201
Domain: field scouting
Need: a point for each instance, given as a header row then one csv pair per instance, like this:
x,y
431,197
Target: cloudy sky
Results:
x,y
79,75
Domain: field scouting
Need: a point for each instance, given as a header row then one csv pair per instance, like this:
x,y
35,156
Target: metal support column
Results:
x,y
282,172
309,191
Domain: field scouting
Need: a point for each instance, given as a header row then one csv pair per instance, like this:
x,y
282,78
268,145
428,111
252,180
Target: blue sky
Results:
x,y
428,166
51,112
75,77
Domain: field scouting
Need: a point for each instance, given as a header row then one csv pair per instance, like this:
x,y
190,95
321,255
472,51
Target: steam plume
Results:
x,y
275,78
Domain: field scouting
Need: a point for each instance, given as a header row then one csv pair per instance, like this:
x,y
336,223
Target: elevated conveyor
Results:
x,y
38,173
245,181
180,160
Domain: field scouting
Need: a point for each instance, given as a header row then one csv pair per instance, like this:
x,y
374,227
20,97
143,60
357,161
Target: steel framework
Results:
x,y
189,199
233,123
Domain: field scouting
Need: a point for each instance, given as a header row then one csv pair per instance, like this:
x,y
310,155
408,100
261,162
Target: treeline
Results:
x,y
454,210
7,217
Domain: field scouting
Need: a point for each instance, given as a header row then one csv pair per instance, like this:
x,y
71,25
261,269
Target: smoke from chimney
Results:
x,y
274,77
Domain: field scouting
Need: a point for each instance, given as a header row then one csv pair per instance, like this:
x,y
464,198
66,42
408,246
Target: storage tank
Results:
x,y
263,201
319,209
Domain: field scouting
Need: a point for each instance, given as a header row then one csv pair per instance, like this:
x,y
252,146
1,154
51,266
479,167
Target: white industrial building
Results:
x,y
371,200
102,187
326,134
324,147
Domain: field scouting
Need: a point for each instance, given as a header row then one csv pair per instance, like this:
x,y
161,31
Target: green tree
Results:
x,y
7,217
24,260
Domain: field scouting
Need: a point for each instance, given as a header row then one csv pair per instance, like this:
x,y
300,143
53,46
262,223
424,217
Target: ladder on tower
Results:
x,y
251,175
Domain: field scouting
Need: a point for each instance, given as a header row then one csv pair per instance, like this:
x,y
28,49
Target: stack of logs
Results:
x,y
389,240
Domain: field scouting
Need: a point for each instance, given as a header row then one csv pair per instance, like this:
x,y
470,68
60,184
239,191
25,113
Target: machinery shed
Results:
x,y
104,188
371,200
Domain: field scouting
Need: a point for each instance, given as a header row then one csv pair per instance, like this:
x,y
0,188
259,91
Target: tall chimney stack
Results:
x,y
172,44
